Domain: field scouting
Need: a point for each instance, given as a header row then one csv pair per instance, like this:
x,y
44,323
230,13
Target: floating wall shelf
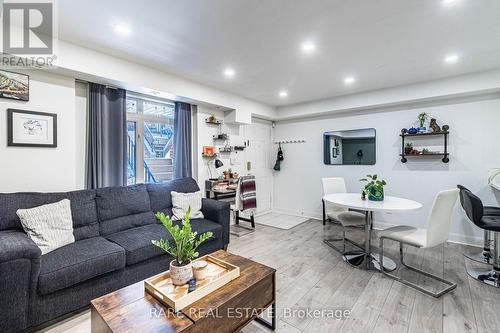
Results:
x,y
444,133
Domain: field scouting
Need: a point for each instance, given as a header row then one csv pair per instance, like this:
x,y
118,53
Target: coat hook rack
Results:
x,y
289,141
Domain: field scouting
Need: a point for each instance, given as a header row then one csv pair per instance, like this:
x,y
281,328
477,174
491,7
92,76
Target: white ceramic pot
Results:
x,y
200,270
180,275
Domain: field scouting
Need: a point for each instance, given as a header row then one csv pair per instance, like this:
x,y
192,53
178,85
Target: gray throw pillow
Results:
x,y
49,226
181,203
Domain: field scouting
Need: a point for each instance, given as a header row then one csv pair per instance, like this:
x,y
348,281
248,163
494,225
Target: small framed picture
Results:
x,y
31,129
14,86
208,150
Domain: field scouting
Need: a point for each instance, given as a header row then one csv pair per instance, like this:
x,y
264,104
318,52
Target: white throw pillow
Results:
x,y
49,226
181,203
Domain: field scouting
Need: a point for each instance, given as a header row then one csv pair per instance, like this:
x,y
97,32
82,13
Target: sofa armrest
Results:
x,y
19,269
218,212
17,245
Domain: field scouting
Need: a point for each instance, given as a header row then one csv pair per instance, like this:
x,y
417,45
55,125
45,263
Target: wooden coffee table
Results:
x,y
228,309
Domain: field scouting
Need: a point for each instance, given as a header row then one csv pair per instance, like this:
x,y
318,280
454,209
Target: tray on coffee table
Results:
x,y
219,273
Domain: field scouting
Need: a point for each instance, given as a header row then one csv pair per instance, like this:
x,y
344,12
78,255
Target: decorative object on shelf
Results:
x,y
427,153
374,188
222,136
31,129
434,126
14,86
208,151
422,118
412,131
183,247
408,148
213,120
200,270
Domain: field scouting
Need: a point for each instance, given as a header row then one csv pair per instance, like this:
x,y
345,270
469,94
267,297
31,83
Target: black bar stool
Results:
x,y
485,255
474,209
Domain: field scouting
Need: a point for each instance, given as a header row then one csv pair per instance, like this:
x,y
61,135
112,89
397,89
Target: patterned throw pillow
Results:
x,y
181,203
49,226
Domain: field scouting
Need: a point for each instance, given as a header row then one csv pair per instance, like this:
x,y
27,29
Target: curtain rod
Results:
x,y
87,82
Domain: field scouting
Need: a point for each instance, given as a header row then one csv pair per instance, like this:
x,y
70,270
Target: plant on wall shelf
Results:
x,y
422,117
374,188
408,148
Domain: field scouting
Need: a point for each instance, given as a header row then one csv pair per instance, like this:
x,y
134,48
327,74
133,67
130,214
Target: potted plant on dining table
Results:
x,y
182,247
374,189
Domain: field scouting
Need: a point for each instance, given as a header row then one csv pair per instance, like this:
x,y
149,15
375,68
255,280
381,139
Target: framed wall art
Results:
x,y
14,86
31,129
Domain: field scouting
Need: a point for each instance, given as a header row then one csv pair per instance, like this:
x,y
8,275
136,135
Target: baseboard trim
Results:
x,y
454,237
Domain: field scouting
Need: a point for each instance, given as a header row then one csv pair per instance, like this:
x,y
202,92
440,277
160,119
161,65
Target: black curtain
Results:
x,y
106,137
182,140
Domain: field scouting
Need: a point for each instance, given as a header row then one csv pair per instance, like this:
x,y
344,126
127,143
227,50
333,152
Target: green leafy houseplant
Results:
x,y
184,244
374,188
182,247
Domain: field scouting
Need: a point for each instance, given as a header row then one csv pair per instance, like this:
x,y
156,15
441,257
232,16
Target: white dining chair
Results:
x,y
343,216
436,233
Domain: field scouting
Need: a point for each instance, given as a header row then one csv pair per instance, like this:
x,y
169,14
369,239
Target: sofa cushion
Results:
x,y
159,194
78,262
121,208
83,210
137,241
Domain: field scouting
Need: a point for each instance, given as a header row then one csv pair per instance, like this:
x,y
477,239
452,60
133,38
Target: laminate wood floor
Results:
x,y
312,276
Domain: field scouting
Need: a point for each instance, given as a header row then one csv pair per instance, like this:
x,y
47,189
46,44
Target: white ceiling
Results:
x,y
382,43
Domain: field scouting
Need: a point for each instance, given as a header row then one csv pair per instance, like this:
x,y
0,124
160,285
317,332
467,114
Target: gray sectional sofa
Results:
x,y
113,228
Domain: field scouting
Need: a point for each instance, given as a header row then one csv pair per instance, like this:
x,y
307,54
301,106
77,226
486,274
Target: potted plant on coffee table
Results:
x,y
374,188
182,246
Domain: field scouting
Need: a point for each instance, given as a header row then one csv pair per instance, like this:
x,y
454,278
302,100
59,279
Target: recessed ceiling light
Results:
x,y
449,2
308,47
349,80
283,93
451,58
229,72
154,92
122,29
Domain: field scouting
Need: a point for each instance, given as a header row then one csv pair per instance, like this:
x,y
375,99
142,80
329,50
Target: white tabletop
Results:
x,y
354,201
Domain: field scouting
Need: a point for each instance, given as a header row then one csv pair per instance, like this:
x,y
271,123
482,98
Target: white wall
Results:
x,y
259,134
474,148
46,169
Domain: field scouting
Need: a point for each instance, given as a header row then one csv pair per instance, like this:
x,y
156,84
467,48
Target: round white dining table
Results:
x,y
369,258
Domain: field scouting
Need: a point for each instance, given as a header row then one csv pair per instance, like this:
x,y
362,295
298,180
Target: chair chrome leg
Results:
x,y
344,239
451,285
490,277
485,255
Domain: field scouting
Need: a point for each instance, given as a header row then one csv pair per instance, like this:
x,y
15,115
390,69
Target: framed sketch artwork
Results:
x,y
31,129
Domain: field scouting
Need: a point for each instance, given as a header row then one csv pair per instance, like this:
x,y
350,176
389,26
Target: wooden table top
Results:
x,y
132,309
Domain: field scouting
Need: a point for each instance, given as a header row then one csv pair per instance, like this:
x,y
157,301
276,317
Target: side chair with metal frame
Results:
x,y
436,233
343,216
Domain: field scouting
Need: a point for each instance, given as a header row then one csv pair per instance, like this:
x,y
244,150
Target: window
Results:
x,y
150,131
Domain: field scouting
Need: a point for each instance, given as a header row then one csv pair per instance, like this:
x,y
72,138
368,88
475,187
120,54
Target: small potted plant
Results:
x,y
422,117
408,148
374,187
182,247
